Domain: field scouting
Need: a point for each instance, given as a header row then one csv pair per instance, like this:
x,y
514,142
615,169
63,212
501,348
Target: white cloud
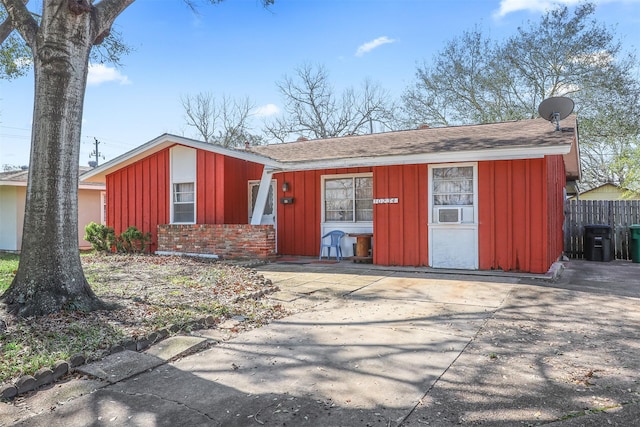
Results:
x,y
100,73
599,59
23,61
267,110
369,46
508,6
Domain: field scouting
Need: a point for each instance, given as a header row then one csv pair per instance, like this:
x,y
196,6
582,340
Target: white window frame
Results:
x,y
272,191
465,228
174,202
183,173
474,165
325,178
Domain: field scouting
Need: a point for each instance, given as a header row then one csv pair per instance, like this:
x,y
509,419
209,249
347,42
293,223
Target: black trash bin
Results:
x,y
597,242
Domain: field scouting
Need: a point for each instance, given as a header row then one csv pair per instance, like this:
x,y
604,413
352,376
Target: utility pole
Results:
x,y
95,153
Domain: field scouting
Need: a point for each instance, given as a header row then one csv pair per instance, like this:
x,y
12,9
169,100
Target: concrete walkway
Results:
x,y
371,346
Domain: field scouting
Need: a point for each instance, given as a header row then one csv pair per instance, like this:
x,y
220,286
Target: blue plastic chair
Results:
x,y
336,237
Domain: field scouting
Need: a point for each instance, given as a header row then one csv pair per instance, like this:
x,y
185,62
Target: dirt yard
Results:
x,y
149,293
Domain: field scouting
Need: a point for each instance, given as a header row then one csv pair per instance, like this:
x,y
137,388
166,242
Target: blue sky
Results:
x,y
239,49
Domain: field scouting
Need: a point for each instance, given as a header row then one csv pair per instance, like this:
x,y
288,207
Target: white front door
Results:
x,y
269,214
453,216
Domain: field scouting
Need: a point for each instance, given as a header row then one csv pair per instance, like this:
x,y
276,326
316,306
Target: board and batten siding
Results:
x,y
237,175
222,190
520,214
129,205
140,194
556,184
400,230
299,223
209,197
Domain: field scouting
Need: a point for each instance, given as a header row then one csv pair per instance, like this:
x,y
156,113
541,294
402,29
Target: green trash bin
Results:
x,y
634,242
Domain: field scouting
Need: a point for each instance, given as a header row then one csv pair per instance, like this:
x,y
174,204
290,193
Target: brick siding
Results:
x,y
227,241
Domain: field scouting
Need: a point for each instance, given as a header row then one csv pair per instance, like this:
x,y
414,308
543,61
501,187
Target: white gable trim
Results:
x,y
165,141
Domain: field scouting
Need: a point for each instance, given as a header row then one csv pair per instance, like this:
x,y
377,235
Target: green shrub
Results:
x,y
104,239
101,237
133,240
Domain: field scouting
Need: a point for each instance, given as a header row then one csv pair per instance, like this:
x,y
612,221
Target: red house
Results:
x,y
470,197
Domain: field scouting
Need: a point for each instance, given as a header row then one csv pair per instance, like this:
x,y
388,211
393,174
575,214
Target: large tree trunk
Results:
x,y
50,276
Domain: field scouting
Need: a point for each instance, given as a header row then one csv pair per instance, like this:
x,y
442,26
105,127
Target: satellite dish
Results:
x,y
555,109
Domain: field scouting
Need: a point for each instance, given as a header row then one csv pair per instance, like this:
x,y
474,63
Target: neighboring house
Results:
x,y
607,192
13,195
469,197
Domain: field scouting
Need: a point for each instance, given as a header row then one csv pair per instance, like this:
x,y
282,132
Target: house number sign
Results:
x,y
385,201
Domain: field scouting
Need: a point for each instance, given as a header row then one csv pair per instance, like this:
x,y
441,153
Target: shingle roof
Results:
x,y
534,133
23,175
20,177
17,175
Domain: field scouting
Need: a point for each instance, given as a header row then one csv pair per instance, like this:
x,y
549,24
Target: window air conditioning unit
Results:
x,y
449,215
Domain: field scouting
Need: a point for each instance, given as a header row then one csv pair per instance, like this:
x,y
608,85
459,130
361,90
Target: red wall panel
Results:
x,y
138,195
222,188
556,182
237,173
400,233
209,201
299,223
514,231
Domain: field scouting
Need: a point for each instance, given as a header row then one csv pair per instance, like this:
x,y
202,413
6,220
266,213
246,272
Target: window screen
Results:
x,y
184,202
453,186
348,199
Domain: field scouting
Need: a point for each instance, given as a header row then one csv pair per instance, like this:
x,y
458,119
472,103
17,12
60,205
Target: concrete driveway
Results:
x,y
371,346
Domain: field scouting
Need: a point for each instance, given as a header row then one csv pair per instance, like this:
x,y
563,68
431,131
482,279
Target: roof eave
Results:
x,y
98,186
13,183
444,157
164,141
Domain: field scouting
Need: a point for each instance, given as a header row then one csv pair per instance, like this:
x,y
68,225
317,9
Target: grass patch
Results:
x,y
151,293
29,347
8,266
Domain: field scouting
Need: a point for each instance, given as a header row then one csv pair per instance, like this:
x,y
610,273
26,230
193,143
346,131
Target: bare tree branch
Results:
x,y
6,27
314,110
223,122
107,11
21,20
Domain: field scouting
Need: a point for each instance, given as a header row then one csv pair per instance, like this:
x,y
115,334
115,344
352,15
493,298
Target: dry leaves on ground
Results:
x,y
150,293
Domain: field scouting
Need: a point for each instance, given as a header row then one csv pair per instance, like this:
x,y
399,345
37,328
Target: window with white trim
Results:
x,y
348,199
183,185
452,193
453,186
184,202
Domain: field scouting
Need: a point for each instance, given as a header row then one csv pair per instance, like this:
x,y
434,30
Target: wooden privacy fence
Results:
x,y
618,214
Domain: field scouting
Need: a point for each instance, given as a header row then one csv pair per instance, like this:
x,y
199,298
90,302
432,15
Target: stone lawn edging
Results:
x,y
46,376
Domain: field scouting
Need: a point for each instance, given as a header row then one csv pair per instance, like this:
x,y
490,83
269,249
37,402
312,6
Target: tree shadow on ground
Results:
x,y
546,353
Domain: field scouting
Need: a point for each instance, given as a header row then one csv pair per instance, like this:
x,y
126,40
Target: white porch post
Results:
x,y
261,199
